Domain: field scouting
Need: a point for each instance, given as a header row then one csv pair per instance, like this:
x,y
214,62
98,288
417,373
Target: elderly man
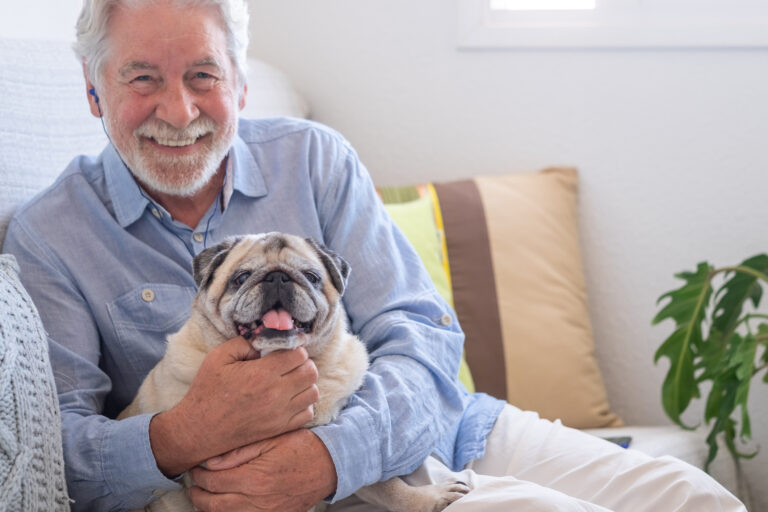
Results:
x,y
106,254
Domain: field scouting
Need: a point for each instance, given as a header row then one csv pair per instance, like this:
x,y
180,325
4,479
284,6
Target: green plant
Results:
x,y
718,337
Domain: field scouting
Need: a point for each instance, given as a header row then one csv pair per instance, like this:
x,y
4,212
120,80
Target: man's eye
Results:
x,y
203,75
142,78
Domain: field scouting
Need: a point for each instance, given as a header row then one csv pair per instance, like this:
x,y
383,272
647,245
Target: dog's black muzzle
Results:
x,y
277,289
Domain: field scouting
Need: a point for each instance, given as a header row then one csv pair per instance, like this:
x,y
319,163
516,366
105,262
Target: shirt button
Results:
x,y
156,213
198,237
147,295
446,320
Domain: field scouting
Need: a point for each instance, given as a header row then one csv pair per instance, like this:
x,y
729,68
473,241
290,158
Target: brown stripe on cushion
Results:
x,y
474,286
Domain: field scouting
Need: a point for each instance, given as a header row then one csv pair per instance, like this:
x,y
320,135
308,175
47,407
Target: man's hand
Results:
x,y
234,400
291,472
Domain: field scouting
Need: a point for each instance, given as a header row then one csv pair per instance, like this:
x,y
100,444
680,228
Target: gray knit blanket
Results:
x,y
31,461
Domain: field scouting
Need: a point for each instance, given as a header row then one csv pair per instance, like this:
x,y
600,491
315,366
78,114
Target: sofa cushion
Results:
x,y
687,445
518,290
45,121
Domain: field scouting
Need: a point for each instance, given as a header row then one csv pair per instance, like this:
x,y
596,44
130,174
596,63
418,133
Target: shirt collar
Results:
x,y
130,204
127,200
248,178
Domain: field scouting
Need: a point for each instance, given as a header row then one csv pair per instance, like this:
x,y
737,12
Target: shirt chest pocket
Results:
x,y
143,317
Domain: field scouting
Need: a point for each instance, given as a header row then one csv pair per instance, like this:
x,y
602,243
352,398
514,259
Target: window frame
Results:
x,y
614,24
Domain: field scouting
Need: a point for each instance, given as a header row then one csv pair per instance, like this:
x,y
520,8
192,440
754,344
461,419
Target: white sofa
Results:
x,y
45,122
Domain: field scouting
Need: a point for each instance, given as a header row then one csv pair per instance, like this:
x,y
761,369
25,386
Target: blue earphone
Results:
x,y
92,92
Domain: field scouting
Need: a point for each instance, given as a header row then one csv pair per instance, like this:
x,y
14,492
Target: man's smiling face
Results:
x,y
170,94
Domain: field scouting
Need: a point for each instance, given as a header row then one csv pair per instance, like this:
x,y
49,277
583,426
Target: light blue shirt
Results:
x,y
92,247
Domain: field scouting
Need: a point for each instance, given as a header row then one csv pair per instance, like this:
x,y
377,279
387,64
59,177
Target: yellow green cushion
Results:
x,y
416,219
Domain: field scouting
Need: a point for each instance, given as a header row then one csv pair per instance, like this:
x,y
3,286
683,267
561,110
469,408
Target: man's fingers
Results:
x,y
302,402
286,361
301,418
209,502
238,456
225,481
306,397
303,376
238,349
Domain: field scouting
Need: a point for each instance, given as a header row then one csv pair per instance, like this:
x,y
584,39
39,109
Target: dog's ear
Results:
x,y
336,266
206,263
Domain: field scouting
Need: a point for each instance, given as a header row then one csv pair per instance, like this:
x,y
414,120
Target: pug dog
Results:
x,y
278,291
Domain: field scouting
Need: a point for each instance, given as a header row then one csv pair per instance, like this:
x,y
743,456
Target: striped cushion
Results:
x,y
512,250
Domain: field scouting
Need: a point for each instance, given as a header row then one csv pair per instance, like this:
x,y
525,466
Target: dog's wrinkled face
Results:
x,y
278,291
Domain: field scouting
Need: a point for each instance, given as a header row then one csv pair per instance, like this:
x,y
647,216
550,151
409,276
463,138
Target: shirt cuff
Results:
x,y
130,469
354,447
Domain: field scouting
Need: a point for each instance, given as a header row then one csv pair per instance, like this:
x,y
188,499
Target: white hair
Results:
x,y
92,44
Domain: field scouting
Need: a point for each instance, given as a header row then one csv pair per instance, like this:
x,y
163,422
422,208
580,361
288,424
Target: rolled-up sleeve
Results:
x,y
411,401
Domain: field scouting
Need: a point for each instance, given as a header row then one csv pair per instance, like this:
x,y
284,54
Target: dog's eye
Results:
x,y
312,277
241,278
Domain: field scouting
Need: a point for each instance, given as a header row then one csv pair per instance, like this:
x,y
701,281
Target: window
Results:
x,y
539,5
613,23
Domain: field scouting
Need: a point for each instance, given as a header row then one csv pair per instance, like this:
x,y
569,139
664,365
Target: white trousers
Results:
x,y
537,465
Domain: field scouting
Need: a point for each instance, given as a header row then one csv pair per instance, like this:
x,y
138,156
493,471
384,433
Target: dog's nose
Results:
x,y
277,277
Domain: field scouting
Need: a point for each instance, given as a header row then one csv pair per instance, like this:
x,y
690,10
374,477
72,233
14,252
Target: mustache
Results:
x,y
160,130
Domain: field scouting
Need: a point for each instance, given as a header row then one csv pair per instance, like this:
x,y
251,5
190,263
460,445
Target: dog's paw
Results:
x,y
446,493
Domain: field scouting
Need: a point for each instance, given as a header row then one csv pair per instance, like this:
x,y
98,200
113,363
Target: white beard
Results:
x,y
177,175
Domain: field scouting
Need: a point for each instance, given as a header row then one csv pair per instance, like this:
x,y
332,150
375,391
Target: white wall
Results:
x,y
669,144
39,19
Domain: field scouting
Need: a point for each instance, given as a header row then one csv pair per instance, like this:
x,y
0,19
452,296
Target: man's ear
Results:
x,y
243,94
91,97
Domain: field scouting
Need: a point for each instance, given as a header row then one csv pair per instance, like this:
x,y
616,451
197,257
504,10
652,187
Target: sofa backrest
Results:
x,y
45,121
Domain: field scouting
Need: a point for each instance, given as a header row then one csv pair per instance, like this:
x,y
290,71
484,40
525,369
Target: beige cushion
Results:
x,y
512,249
548,346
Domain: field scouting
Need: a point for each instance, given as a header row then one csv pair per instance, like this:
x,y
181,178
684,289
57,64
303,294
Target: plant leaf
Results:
x,y
737,290
762,331
686,307
715,398
726,355
711,358
680,385
728,430
731,444
744,362
730,389
683,300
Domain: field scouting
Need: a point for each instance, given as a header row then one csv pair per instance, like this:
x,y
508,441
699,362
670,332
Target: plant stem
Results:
x,y
744,270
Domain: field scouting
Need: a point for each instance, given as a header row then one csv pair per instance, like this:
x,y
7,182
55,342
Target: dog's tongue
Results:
x,y
278,319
